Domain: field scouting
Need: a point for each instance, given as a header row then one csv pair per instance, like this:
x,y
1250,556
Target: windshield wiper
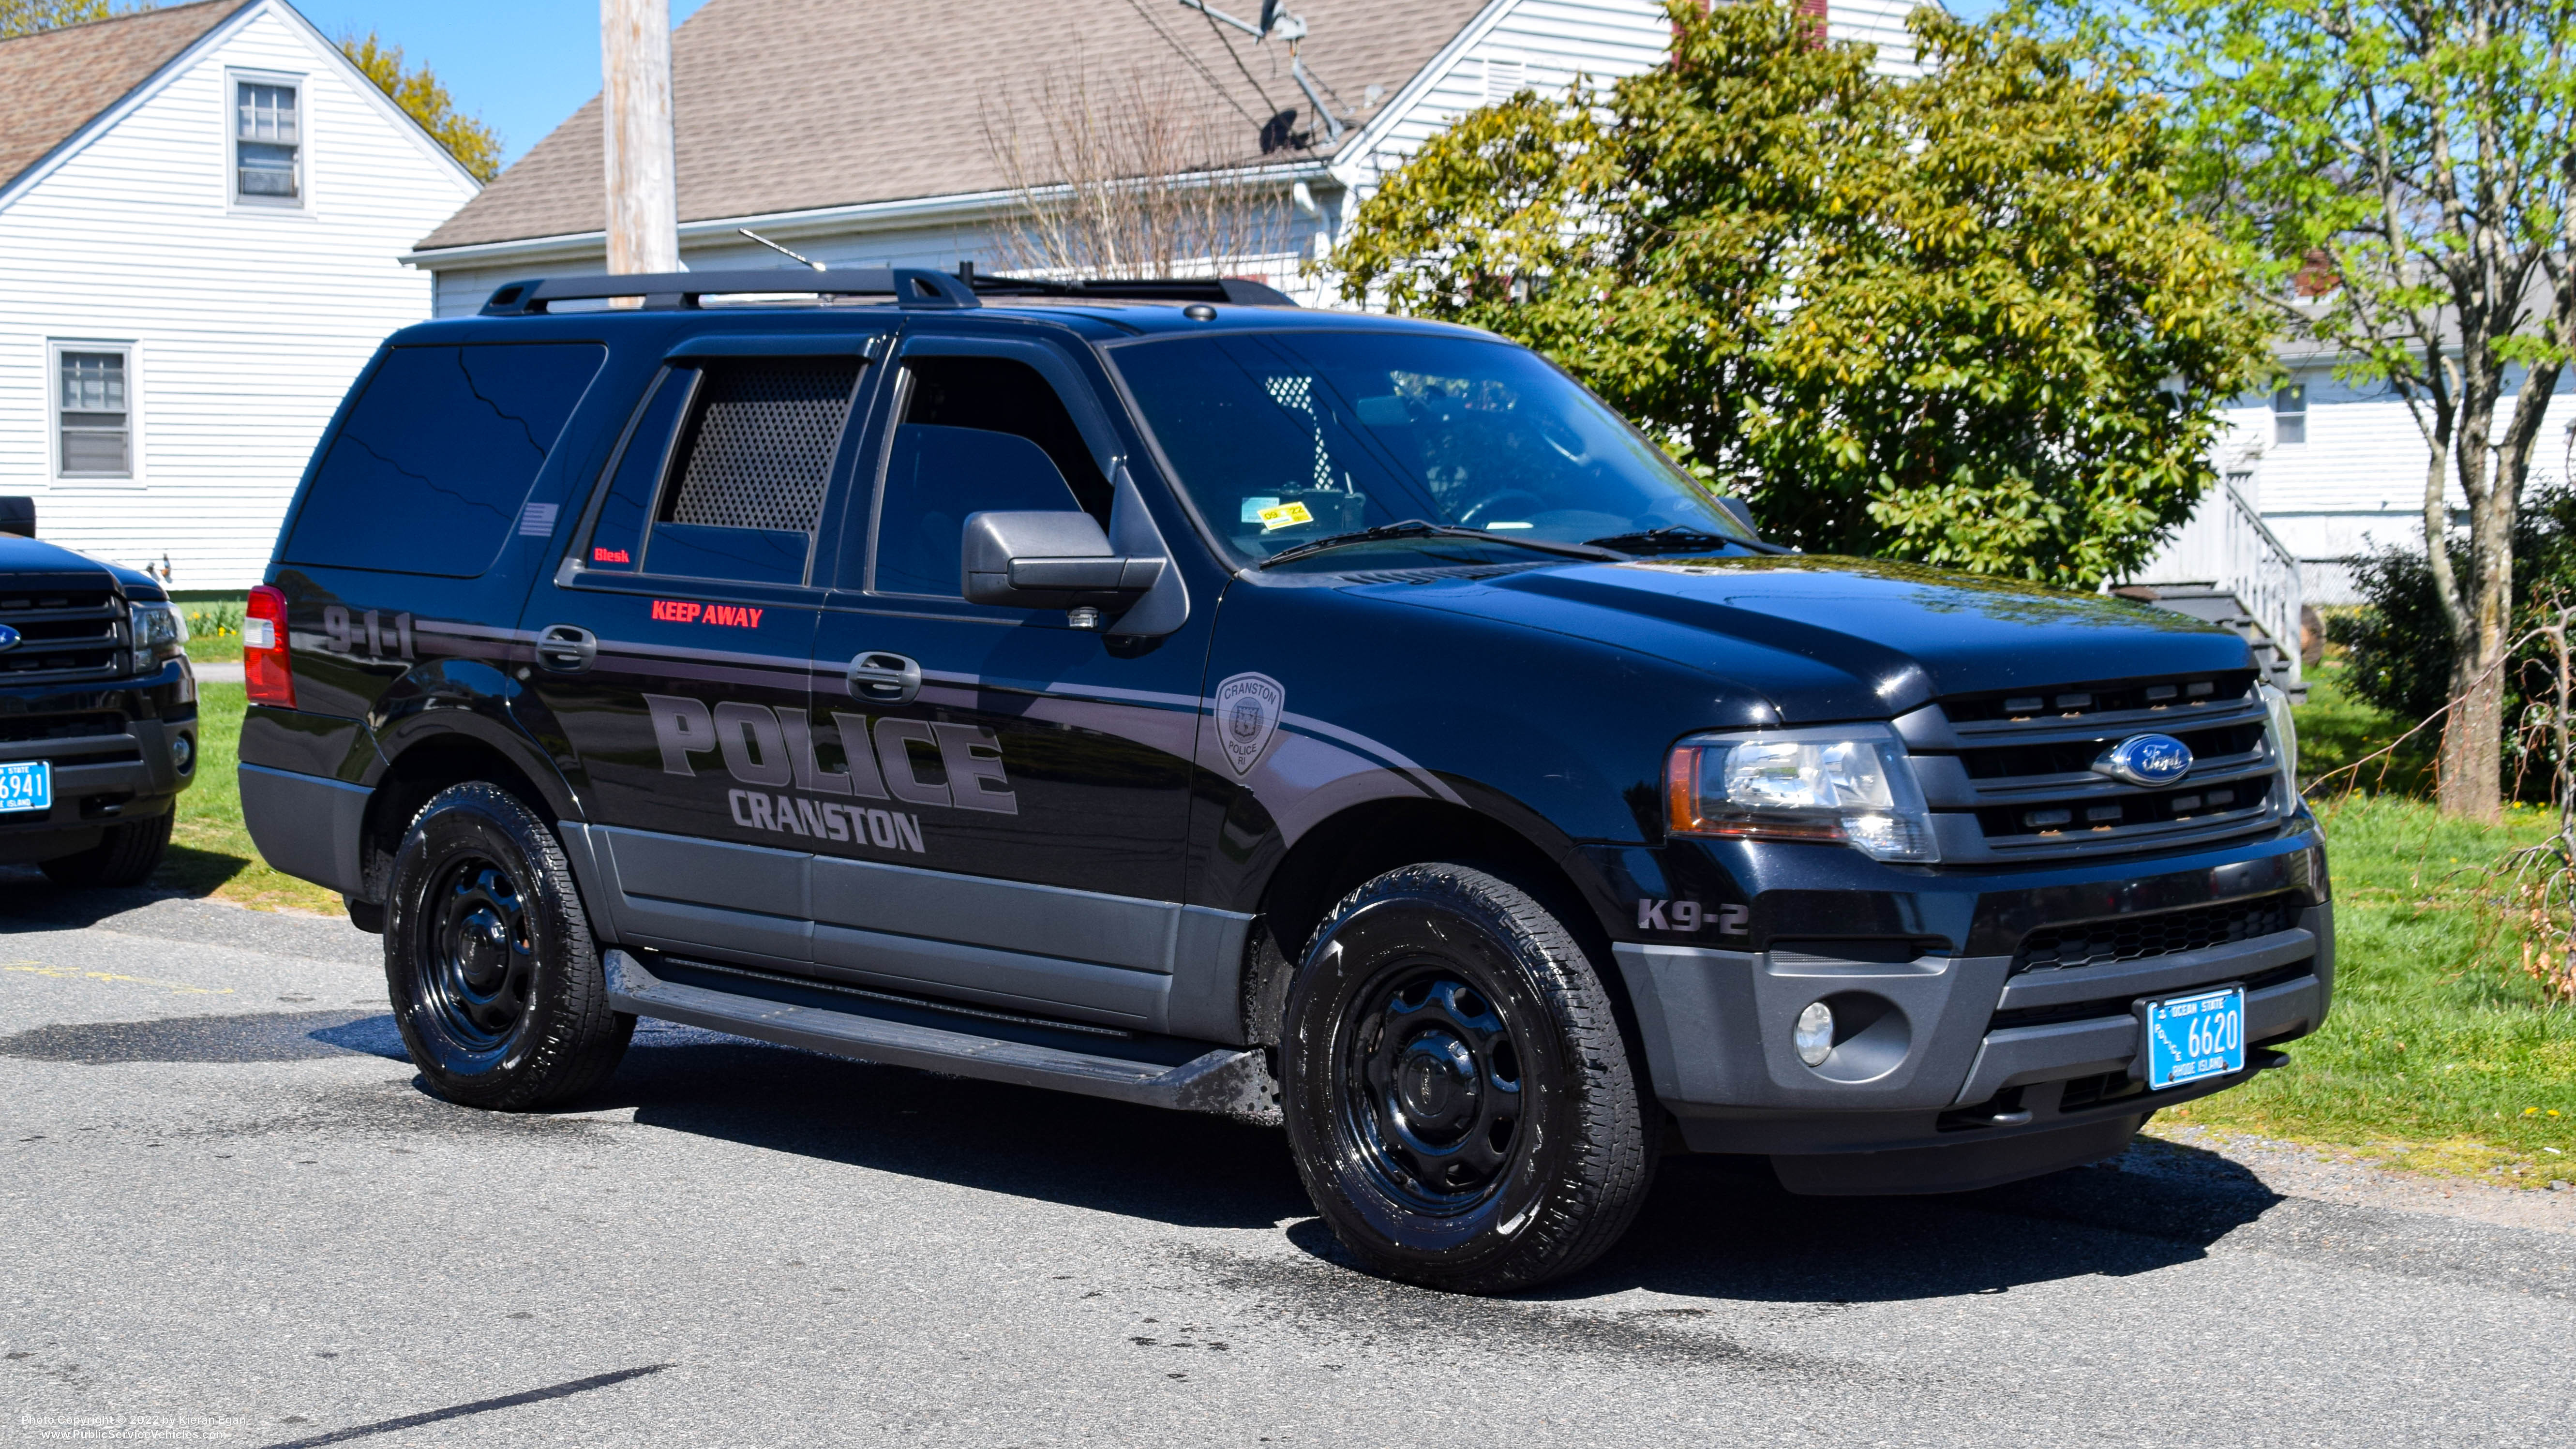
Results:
x,y
1673,538
1419,528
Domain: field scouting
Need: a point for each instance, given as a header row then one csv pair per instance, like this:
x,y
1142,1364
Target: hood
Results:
x,y
35,556
1829,639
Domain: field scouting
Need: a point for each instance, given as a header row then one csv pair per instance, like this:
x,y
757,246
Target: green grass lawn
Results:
x,y
214,628
2441,1054
210,851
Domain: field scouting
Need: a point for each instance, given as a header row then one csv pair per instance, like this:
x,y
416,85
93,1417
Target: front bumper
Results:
x,y
112,747
1973,1072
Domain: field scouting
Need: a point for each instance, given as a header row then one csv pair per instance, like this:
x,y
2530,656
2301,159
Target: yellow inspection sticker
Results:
x,y
1286,515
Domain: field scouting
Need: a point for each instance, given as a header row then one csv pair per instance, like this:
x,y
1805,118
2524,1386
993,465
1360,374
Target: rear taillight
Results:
x,y
264,660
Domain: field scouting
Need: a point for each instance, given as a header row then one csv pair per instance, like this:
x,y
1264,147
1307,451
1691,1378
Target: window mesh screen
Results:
x,y
762,450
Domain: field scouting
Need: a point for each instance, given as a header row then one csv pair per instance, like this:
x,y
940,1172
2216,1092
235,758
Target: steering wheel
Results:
x,y
1472,515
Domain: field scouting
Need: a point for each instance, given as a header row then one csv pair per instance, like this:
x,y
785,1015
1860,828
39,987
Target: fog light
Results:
x,y
1815,1036
183,753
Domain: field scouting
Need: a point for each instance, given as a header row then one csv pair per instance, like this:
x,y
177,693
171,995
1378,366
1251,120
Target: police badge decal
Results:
x,y
1247,713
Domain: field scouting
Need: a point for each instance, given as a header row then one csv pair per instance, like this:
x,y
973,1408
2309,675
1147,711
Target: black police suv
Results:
x,y
1155,691
98,711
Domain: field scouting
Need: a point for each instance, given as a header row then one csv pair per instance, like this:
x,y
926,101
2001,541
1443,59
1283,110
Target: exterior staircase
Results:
x,y
2227,567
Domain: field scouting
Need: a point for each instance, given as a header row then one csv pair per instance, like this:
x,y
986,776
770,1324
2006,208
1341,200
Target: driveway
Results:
x,y
228,1209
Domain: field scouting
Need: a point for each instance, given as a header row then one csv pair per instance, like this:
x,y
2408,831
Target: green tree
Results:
x,y
1962,319
2398,175
26,17
476,146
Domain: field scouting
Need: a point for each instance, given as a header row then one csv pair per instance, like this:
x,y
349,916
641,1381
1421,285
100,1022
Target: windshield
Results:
x,y
1284,438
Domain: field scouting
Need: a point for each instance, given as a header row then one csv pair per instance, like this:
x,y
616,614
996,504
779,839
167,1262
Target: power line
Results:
x,y
1195,63
1237,56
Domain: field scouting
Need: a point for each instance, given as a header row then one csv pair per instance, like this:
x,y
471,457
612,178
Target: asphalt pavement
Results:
x,y
230,1213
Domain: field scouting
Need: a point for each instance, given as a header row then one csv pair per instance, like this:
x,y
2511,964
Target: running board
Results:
x,y
1227,1081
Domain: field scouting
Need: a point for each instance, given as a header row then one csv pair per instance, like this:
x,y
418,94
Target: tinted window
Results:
x,y
430,471
617,540
979,435
1002,395
738,495
936,476
1287,437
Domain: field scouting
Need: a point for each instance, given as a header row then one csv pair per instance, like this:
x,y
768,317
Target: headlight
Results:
x,y
2285,738
158,632
1850,786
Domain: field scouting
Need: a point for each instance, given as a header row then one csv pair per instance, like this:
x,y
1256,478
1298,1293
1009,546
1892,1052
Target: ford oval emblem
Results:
x,y
8,637
2146,760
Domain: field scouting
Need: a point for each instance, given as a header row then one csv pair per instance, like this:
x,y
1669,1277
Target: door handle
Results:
x,y
881,678
566,648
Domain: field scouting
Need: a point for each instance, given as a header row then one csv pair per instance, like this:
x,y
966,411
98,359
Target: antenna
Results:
x,y
782,251
1290,28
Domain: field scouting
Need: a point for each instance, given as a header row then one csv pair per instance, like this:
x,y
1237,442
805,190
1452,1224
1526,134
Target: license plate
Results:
x,y
2196,1037
27,786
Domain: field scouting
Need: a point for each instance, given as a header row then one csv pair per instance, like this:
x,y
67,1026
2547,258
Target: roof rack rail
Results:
x,y
908,286
1240,291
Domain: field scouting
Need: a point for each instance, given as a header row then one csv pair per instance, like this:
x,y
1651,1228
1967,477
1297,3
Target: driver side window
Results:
x,y
977,435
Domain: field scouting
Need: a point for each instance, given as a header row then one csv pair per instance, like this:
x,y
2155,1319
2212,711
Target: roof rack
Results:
x,y
908,286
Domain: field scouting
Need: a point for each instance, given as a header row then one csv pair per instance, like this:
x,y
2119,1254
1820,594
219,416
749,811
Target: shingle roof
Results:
x,y
792,105
54,82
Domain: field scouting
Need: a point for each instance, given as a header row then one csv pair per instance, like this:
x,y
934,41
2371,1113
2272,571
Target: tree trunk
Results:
x,y
2472,775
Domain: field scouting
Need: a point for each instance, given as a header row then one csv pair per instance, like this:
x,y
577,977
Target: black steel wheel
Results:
x,y
496,983
482,960
1431,1087
1456,1091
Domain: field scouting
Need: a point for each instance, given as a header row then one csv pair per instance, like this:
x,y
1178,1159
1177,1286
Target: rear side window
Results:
x,y
431,471
726,472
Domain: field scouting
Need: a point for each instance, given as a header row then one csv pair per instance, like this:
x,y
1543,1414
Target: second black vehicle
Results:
x,y
1154,691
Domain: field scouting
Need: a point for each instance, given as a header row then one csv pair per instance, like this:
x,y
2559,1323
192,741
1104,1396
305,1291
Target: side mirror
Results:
x,y
1050,561
18,516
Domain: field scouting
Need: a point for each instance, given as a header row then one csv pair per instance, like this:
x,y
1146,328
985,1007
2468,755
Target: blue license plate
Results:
x,y
2196,1037
27,786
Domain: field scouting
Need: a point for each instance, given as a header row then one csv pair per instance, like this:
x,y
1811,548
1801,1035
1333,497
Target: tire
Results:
x,y
1457,1096
126,855
496,983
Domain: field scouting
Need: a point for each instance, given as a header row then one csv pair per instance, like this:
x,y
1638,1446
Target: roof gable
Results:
x,y
57,81
796,105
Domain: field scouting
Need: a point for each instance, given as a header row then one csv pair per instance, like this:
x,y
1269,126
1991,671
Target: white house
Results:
x,y
2337,467
856,131
201,227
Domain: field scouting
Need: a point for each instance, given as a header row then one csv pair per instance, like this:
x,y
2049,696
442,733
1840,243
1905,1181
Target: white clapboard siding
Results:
x,y
2357,483
1547,44
247,325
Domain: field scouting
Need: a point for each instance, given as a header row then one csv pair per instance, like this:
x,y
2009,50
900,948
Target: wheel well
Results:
x,y
1362,843
421,772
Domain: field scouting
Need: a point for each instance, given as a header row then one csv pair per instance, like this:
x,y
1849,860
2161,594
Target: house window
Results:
x,y
93,413
2290,415
268,143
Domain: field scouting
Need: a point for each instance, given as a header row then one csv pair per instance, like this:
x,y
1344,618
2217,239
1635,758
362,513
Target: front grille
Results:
x,y
2157,933
64,633
2009,775
2120,1005
28,729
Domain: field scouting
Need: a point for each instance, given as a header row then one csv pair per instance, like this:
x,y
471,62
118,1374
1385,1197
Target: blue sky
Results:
x,y
523,65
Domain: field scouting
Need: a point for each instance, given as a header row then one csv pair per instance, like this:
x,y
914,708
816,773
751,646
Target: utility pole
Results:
x,y
635,113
